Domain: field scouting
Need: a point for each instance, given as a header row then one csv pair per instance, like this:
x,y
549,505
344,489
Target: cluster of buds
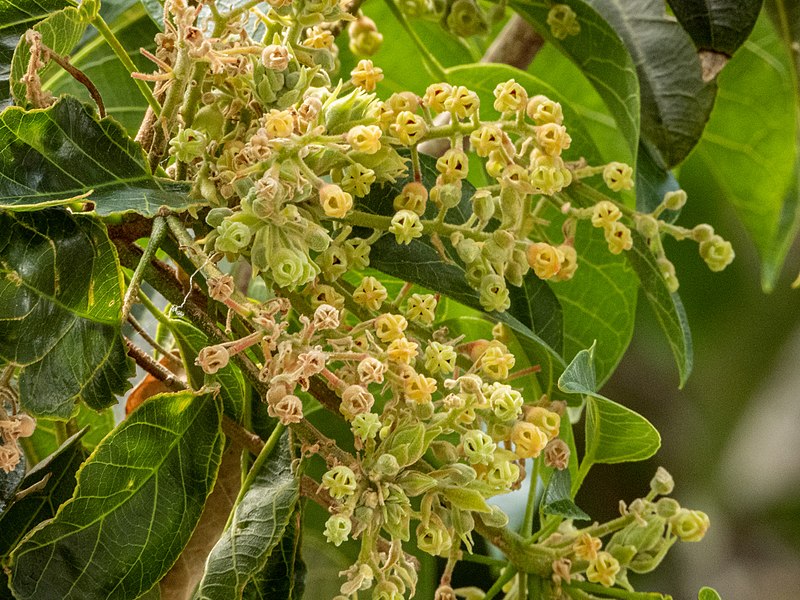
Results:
x,y
13,427
639,539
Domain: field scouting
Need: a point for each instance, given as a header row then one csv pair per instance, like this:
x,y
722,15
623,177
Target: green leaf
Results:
x,y
675,103
121,97
614,433
708,593
15,19
138,498
260,519
61,323
10,481
614,77
54,481
60,32
51,156
558,498
748,153
667,306
718,25
233,389
466,499
43,442
284,574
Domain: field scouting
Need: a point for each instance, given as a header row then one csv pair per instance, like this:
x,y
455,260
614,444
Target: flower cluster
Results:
x,y
13,427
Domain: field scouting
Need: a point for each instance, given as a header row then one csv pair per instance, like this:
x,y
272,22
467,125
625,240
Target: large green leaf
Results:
x,y
138,498
614,433
601,56
49,156
718,25
15,19
284,575
263,511
675,103
54,481
748,153
60,301
233,389
60,32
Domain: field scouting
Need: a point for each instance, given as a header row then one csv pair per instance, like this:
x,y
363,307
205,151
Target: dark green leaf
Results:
x,y
558,498
284,574
614,433
52,155
233,389
54,479
60,32
675,103
667,306
61,323
262,514
708,593
718,25
748,153
614,77
15,19
138,498
9,483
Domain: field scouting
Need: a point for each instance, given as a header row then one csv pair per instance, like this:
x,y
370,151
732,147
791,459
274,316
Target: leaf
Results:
x,y
60,32
61,323
557,498
614,433
10,481
262,514
51,156
43,441
284,574
667,306
122,98
614,76
15,19
708,593
748,153
138,498
54,479
421,263
233,389
466,499
675,102
718,25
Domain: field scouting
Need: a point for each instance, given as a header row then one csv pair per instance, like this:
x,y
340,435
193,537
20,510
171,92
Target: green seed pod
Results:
x,y
483,205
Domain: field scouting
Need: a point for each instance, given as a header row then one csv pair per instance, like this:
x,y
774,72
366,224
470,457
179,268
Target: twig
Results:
x,y
241,435
153,343
149,364
156,235
327,447
78,76
516,45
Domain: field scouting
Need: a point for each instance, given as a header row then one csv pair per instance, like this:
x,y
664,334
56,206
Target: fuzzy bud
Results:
x,y
618,176
717,253
690,525
213,358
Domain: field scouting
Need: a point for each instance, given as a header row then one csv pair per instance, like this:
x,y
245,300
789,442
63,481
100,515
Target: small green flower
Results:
x,y
406,226
233,236
337,529
478,447
440,358
340,481
506,402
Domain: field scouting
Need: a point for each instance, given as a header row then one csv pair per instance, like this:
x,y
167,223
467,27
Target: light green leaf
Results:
x,y
61,323
602,57
60,32
54,479
233,389
708,593
261,517
466,499
675,103
15,19
138,498
667,306
557,498
52,156
748,153
614,433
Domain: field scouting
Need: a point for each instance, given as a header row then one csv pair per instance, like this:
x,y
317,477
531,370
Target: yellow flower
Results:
x,y
370,293
335,201
365,138
618,176
586,547
402,350
419,388
496,360
528,439
603,569
544,259
390,327
366,75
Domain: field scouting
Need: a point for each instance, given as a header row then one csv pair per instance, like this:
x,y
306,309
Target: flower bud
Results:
x,y
415,483
702,232
466,19
667,508
26,425
336,203
618,176
386,466
674,200
542,110
690,525
717,253
662,483
447,195
337,529
340,481
213,358
563,21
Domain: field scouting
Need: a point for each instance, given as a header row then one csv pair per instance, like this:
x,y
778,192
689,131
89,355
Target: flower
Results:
x,y
603,569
